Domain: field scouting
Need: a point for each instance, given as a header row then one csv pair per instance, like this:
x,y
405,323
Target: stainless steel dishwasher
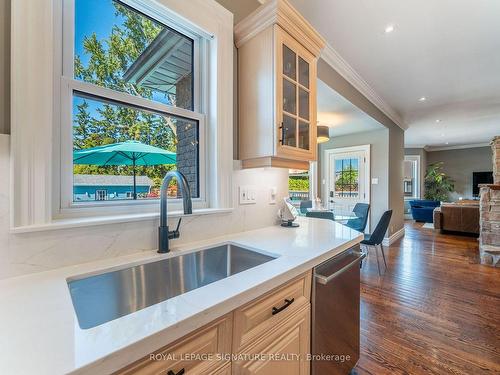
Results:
x,y
335,314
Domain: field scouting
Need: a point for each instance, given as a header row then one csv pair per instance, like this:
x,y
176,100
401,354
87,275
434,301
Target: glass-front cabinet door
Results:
x,y
296,99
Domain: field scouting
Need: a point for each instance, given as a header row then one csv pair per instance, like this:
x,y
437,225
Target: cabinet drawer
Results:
x,y
226,370
196,353
284,351
258,317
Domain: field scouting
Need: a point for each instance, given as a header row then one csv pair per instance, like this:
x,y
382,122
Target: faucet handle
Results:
x,y
178,225
175,233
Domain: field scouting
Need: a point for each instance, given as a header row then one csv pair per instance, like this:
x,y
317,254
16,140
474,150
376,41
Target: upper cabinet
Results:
x,y
277,55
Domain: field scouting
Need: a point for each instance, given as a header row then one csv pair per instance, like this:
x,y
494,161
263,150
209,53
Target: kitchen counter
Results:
x,y
41,335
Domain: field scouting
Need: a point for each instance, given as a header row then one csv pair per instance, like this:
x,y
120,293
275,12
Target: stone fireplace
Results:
x,y
489,245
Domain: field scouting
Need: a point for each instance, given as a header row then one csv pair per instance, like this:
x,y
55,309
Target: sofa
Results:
x,y
422,210
457,217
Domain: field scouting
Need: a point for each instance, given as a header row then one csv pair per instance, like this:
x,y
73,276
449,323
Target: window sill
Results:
x,y
115,219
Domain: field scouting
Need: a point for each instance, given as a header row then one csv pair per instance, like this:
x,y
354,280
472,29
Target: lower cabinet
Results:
x,y
283,351
198,353
270,335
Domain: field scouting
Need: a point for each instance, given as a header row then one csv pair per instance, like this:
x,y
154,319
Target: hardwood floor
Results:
x,y
435,311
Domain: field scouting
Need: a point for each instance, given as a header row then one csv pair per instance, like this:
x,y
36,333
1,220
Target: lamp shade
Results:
x,y
323,133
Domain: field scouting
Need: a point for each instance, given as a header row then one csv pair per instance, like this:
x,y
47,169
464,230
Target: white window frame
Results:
x,y
69,85
417,176
38,149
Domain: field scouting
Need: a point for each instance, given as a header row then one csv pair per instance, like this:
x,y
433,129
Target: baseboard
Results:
x,y
388,241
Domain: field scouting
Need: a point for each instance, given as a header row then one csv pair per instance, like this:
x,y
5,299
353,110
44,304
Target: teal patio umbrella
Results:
x,y
132,153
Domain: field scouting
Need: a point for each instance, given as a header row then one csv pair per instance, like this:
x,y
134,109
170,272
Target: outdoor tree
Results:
x,y
347,180
105,63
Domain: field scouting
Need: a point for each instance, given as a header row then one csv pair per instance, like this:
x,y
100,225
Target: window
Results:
x,y
347,178
131,91
298,185
101,195
411,181
44,101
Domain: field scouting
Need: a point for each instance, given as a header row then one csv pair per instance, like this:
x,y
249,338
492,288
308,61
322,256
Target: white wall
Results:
x,y
39,251
4,66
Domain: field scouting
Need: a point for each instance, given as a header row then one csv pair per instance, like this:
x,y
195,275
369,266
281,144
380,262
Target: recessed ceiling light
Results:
x,y
422,99
389,29
438,121
447,143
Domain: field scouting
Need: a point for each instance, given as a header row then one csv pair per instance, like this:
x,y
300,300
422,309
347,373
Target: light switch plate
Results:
x,y
375,181
248,195
272,195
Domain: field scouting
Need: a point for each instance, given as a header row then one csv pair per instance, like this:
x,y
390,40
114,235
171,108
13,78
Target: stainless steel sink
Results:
x,y
104,297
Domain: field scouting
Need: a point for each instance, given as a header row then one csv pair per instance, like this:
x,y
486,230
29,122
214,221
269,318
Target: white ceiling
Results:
x,y
340,115
445,50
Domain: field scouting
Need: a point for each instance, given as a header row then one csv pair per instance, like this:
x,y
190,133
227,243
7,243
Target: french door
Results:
x,y
347,178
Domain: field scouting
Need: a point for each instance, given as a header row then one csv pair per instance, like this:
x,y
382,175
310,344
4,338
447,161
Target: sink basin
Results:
x,y
104,297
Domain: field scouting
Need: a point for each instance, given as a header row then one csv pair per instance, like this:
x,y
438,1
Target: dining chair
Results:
x,y
321,214
359,223
375,239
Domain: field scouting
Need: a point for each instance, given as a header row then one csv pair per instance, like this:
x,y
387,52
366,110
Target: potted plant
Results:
x,y
437,184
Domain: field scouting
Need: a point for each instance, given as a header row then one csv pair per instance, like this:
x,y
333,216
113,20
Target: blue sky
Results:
x,y
93,16
338,163
99,17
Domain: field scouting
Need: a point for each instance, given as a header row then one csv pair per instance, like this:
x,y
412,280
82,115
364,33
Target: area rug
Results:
x,y
428,226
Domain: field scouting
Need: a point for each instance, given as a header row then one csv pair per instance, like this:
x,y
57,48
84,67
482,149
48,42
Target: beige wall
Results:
x,y
396,196
5,66
459,165
395,151
379,166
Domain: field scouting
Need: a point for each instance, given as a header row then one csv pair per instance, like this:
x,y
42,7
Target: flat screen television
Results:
x,y
480,178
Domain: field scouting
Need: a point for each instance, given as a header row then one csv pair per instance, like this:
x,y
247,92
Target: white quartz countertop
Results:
x,y
40,332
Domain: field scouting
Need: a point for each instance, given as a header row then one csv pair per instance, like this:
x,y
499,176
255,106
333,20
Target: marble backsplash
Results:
x,y
39,251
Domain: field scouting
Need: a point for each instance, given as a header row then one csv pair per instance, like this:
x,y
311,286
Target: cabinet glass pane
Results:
x,y
303,72
303,135
303,103
289,97
289,131
289,61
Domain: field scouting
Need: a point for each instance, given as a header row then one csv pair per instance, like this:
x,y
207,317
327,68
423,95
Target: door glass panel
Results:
x,y
289,61
289,131
347,177
289,97
303,135
303,103
303,72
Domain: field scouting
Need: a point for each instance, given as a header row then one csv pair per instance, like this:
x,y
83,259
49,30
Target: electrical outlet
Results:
x,y
248,195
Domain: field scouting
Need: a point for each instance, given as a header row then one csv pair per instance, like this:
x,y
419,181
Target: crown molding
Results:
x,y
337,62
282,13
458,147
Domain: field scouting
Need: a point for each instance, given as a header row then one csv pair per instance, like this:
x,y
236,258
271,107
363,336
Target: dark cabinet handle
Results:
x,y
282,128
288,302
170,372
